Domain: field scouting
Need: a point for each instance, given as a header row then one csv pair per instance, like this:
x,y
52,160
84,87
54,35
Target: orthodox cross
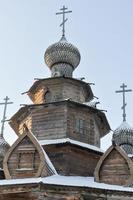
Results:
x,y
5,103
123,91
63,12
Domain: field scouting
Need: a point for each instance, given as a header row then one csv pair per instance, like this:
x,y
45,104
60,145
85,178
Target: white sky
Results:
x,y
102,31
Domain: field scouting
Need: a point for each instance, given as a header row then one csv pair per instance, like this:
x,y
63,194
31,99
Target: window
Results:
x,y
80,125
47,96
92,132
26,160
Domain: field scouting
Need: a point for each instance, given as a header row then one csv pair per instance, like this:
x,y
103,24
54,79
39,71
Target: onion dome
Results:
x,y
123,136
62,58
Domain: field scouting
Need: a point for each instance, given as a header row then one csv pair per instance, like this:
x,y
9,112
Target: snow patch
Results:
x,y
75,181
67,140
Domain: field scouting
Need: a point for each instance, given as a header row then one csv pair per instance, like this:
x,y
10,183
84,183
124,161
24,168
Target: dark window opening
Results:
x,y
47,96
80,126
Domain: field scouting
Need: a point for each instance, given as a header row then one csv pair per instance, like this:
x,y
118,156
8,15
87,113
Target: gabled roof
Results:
x,y
42,154
105,156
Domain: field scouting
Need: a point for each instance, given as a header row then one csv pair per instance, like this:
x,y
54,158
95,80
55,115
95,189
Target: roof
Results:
x,y
124,127
62,52
70,141
73,181
123,136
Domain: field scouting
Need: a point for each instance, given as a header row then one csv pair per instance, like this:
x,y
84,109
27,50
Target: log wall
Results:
x,y
24,160
90,133
60,89
59,120
72,160
49,122
114,169
48,192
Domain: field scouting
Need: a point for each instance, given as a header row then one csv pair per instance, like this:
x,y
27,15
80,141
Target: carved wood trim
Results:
x,y
28,134
105,155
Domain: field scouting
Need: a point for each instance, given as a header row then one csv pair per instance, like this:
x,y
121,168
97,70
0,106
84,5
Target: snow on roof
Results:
x,y
20,181
92,104
49,163
67,140
130,155
82,182
75,181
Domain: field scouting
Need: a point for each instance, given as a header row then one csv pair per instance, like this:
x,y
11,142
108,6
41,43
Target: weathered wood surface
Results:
x,y
59,121
114,167
60,88
90,134
25,159
72,160
16,164
49,192
49,122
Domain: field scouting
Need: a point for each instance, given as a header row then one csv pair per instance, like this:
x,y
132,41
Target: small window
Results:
x,y
47,96
26,160
80,126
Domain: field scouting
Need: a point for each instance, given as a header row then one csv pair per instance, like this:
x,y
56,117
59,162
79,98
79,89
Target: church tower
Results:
x,y
57,154
63,118
60,108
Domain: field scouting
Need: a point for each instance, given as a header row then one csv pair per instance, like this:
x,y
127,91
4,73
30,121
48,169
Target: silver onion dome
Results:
x,y
62,58
123,136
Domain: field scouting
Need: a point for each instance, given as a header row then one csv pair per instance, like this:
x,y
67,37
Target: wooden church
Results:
x,y
57,155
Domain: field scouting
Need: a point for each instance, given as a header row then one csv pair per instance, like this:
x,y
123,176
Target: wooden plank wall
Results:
x,y
72,160
24,146
91,133
48,192
28,122
60,90
49,122
114,169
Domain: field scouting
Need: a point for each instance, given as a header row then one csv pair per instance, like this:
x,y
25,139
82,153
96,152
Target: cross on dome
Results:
x,y
62,57
63,12
123,91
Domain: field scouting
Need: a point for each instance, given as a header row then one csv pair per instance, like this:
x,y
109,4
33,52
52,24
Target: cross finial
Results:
x,y
5,103
123,91
63,12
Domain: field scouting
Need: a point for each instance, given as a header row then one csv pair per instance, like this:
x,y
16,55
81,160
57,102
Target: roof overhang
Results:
x,y
100,116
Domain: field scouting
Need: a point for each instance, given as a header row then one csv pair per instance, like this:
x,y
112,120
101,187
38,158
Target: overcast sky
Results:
x,y
101,29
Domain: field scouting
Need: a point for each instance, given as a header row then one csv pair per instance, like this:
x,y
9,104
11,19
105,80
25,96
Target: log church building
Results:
x,y
57,155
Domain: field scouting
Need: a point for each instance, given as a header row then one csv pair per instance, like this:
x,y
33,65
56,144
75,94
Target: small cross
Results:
x,y
4,114
123,91
63,12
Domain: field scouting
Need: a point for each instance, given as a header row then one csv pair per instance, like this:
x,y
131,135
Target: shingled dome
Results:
x,y
123,136
62,58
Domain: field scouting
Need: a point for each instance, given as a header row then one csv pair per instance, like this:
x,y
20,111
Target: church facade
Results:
x,y
57,155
